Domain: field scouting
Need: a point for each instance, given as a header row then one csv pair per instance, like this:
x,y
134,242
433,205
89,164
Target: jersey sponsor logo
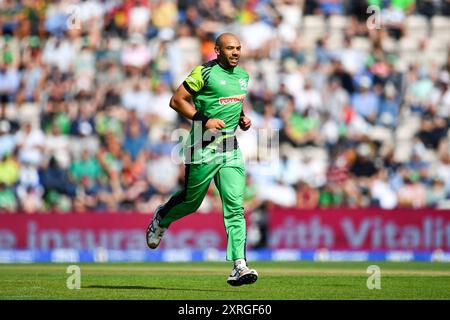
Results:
x,y
227,100
243,84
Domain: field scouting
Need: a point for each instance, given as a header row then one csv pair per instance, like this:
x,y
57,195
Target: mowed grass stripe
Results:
x,y
269,268
278,280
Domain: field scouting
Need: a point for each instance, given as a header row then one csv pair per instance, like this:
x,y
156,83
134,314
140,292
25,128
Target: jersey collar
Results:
x,y
226,69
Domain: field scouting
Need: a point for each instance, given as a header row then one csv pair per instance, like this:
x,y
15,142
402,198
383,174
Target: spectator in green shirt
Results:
x,y
9,170
8,200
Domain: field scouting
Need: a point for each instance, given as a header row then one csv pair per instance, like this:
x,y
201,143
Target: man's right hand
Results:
x,y
213,124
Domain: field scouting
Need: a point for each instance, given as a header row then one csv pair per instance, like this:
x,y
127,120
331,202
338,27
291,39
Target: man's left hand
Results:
x,y
245,123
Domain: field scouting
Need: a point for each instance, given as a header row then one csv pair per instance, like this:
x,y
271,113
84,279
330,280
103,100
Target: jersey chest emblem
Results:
x,y
243,84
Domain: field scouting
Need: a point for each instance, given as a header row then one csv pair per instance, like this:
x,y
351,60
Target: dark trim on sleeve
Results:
x,y
189,89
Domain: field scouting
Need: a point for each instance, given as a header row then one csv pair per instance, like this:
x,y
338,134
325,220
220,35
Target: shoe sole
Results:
x,y
150,245
248,278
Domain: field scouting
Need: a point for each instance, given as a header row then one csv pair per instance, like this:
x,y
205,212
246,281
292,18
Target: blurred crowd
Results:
x,y
354,96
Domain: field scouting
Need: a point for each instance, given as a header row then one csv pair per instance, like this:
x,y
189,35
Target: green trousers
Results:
x,y
228,171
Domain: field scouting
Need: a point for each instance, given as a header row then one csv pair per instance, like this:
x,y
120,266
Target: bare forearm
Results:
x,y
181,103
183,107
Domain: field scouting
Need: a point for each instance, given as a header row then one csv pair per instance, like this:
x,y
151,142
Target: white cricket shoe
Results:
x,y
242,275
154,231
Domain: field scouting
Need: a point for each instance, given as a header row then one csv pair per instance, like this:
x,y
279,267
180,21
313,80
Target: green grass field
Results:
x,y
207,280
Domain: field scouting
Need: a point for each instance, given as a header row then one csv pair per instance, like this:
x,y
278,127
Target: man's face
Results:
x,y
229,51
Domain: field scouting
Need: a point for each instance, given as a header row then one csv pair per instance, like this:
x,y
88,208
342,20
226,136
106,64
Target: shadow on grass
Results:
x,y
154,288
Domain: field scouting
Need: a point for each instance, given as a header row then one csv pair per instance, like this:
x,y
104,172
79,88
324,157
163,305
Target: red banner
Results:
x,y
356,229
109,231
367,229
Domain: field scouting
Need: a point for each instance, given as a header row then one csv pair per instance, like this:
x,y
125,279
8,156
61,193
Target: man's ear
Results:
x,y
217,50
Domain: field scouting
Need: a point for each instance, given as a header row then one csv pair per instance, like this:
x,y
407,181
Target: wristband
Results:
x,y
198,116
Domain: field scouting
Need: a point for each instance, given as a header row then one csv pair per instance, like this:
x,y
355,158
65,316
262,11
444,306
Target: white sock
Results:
x,y
240,262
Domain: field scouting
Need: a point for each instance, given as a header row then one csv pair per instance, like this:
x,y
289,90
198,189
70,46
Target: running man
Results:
x,y
217,89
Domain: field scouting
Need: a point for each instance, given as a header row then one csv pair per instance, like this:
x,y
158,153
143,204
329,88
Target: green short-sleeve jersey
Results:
x,y
218,92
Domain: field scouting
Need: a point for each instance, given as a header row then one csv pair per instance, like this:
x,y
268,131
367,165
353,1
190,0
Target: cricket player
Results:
x,y
217,90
